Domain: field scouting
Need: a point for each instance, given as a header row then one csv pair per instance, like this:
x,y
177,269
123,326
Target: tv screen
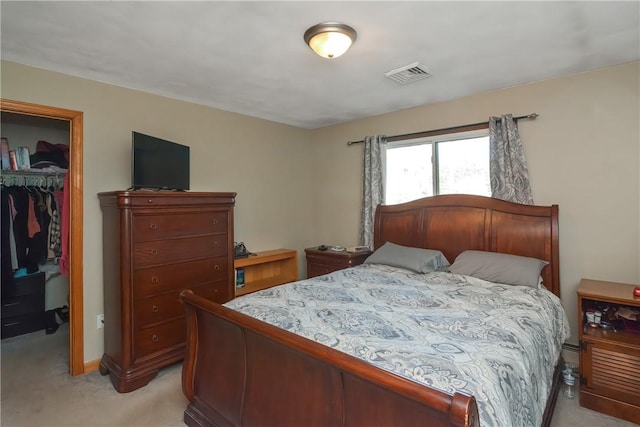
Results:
x,y
158,164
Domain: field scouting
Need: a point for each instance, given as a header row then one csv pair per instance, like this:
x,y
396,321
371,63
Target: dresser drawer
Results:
x,y
26,285
168,225
160,308
23,324
27,304
157,280
156,309
159,338
175,250
218,291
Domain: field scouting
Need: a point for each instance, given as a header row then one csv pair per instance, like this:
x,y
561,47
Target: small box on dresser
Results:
x,y
156,244
609,358
321,262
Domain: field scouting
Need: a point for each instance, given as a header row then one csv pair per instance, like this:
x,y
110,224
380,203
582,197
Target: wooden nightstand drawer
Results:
x,y
327,261
612,372
314,269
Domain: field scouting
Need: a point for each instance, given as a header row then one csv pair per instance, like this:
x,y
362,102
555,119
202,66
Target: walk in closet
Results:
x,y
35,283
41,255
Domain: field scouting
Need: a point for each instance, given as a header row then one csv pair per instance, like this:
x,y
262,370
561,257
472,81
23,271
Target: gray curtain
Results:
x,y
508,167
372,190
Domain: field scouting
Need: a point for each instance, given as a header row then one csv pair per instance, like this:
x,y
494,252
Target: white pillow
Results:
x,y
416,259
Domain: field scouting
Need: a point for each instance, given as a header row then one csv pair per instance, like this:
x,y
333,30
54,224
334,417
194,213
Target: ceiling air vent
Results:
x,y
409,73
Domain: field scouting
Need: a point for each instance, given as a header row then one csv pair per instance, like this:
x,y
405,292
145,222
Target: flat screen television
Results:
x,y
157,164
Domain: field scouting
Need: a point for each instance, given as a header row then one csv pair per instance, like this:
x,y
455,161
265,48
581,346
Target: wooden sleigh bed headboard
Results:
x,y
239,371
455,223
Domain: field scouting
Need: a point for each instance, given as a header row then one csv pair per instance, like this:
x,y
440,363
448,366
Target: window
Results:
x,y
442,164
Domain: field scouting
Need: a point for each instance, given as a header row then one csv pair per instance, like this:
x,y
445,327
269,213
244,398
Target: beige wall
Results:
x,y
267,164
583,154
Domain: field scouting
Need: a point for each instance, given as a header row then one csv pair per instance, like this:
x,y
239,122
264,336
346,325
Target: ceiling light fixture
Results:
x,y
330,39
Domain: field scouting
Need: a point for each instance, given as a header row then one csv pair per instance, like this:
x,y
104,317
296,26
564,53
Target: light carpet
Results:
x,y
37,391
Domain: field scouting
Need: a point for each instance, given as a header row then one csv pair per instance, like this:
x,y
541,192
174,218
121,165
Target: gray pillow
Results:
x,y
416,259
499,268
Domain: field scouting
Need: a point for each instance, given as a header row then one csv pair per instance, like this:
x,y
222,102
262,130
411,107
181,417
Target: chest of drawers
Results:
x,y
23,305
156,244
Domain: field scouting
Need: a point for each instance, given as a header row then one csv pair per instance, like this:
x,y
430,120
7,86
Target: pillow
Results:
x,y
416,259
499,268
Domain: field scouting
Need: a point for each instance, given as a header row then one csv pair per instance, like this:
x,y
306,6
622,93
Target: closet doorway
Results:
x,y
76,337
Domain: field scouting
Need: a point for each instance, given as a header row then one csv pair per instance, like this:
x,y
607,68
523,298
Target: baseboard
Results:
x,y
91,366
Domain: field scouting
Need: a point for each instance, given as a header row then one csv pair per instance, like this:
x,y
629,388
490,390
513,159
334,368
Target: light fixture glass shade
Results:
x,y
331,39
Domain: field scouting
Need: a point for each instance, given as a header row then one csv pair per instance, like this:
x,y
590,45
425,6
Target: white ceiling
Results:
x,y
250,58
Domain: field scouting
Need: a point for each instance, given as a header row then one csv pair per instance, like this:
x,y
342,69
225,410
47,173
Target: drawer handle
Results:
x,y
11,304
154,279
155,338
149,201
215,221
154,308
154,252
216,267
216,244
12,324
153,226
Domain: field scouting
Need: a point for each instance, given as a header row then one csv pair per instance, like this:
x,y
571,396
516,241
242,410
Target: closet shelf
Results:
x,y
32,177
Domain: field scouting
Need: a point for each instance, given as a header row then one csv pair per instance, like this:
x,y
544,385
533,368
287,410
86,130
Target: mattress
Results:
x,y
497,342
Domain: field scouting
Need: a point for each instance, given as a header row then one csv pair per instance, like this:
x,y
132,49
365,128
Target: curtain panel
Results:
x,y
507,165
372,188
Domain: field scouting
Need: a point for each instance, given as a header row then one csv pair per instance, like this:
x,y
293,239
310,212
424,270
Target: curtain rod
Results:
x,y
531,116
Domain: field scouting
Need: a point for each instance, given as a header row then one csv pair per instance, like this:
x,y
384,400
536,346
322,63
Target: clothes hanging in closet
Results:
x,y
31,232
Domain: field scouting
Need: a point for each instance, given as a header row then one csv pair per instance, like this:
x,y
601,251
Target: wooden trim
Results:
x,y
75,118
91,366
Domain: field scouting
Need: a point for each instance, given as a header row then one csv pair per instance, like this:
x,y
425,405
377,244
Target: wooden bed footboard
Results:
x,y
239,371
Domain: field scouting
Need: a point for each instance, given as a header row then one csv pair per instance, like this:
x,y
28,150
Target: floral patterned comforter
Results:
x,y
451,332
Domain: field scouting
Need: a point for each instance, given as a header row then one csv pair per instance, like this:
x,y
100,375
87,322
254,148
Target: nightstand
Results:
x,y
327,261
609,358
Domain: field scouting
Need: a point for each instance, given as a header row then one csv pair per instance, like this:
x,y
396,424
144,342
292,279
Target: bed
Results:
x,y
244,368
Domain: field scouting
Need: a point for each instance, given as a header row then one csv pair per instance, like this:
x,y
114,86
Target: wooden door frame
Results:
x,y
76,320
